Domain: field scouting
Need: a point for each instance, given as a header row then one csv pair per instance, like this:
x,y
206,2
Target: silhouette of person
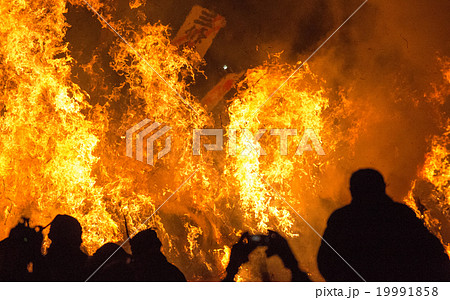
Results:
x,y
19,251
276,245
64,260
380,239
111,263
148,263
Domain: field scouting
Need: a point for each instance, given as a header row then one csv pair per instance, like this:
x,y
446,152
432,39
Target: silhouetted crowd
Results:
x,y
371,239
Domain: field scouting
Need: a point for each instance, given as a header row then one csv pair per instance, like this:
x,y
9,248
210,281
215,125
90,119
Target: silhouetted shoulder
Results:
x,y
175,274
341,214
405,210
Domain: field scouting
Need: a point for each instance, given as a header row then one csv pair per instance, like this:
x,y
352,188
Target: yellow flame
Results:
x,y
297,105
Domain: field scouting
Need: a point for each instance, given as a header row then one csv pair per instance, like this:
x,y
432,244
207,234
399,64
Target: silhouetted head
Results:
x,y
145,242
66,231
366,185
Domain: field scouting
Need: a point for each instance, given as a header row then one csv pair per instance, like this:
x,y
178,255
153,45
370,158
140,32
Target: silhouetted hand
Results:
x,y
279,246
239,255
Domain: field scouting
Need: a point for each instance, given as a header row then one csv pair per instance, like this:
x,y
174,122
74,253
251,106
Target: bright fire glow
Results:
x,y
63,147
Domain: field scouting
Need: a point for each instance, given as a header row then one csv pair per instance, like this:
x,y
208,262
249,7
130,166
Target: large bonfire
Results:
x,y
62,143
